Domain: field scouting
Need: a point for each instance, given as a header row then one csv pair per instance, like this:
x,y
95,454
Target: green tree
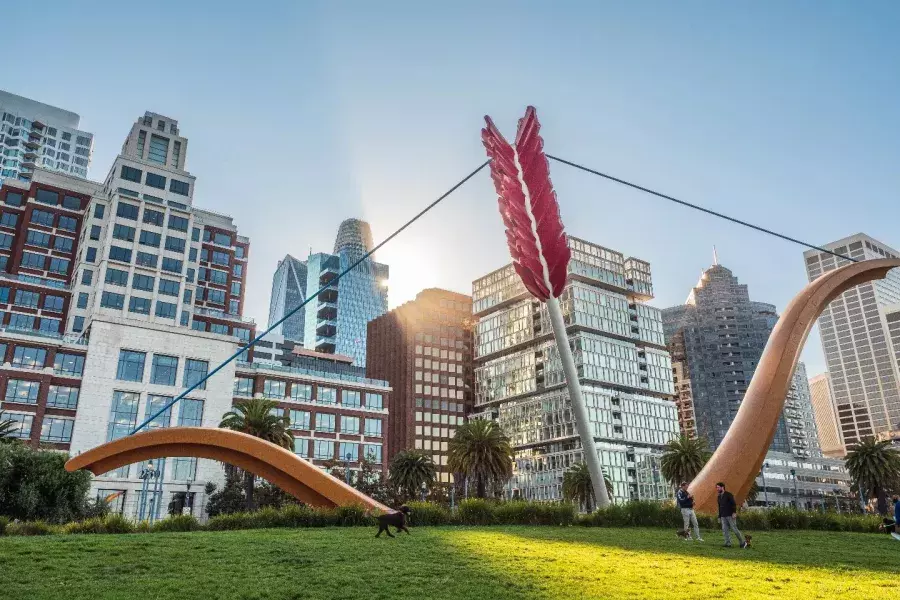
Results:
x,y
7,427
876,467
752,493
256,417
577,487
683,459
34,484
409,470
480,451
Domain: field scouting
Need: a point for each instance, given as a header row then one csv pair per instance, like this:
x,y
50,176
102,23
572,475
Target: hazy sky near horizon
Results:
x,y
301,114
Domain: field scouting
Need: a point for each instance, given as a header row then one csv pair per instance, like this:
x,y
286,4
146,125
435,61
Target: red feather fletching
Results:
x,y
534,229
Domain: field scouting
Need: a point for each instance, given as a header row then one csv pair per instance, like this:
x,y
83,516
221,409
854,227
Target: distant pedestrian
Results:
x,y
728,516
891,526
686,503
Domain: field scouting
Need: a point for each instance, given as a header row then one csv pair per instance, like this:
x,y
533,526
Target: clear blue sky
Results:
x,y
300,114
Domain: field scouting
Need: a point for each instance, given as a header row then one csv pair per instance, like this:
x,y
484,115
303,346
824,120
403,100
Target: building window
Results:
x,y
243,386
372,453
156,181
154,217
150,238
127,211
131,174
27,299
91,256
131,365
178,223
325,422
21,424
324,450
9,220
273,388
327,395
301,392
191,414
155,404
78,324
166,310
142,282
22,391
159,149
13,199
221,258
6,241
56,430
139,305
350,398
172,265
62,397
63,244
179,187
122,415
120,254
82,299
60,266
349,451
86,276
47,197
99,210
167,287
68,364
67,223
164,370
21,322
123,232
116,277
349,424
26,357
373,427
49,325
175,244
95,232
30,260
37,238
112,300
194,371
301,447
145,259
299,419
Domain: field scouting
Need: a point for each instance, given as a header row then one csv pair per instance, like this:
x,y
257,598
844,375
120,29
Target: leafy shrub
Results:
x,y
354,515
230,522
108,524
4,521
534,513
475,511
428,513
30,528
36,486
176,523
142,527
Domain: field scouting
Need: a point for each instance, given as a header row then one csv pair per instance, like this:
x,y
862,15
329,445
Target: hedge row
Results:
x,y
469,512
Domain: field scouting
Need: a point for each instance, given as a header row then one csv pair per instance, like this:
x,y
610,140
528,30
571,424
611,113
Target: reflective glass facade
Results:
x,y
625,373
288,291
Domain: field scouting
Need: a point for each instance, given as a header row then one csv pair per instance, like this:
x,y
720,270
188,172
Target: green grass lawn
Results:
x,y
454,562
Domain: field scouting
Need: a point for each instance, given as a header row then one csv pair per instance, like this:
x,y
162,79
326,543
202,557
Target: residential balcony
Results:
x,y
325,344
326,328
329,295
327,310
221,314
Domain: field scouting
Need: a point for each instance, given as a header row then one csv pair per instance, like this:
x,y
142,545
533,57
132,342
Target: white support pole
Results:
x,y
582,423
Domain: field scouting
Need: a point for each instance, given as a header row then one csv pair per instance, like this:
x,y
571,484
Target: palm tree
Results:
x,y
410,471
257,418
577,486
480,450
7,429
683,459
875,466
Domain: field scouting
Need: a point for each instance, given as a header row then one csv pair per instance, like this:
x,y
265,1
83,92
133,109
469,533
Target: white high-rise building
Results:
x,y
863,371
37,135
826,416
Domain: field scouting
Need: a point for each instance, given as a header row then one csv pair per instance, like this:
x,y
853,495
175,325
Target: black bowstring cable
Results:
x,y
696,207
250,344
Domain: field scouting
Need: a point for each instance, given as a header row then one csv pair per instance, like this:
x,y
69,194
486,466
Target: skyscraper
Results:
x,y
37,135
288,291
856,342
716,339
423,348
625,373
335,321
826,416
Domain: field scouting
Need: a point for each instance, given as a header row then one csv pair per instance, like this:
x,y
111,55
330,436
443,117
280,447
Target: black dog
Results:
x,y
393,519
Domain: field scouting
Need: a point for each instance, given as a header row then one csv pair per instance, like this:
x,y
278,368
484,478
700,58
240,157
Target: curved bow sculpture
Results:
x,y
739,457
296,476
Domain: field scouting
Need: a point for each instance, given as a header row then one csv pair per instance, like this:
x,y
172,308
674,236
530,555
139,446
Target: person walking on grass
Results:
x,y
686,503
728,516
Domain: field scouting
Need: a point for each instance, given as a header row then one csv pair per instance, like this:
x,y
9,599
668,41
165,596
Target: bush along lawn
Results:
x,y
469,512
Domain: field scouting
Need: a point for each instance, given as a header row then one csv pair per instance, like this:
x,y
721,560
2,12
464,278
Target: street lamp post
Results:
x,y
347,467
145,476
765,488
424,489
837,500
187,500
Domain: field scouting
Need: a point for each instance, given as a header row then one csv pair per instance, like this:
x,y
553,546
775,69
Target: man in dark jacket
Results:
x,y
686,504
728,516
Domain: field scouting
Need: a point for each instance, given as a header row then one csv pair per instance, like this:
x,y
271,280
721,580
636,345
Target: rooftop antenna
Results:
x,y
715,257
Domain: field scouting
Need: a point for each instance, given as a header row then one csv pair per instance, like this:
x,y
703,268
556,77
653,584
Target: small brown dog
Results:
x,y
394,519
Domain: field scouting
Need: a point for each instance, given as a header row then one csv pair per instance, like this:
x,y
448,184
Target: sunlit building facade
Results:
x,y
625,373
826,416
